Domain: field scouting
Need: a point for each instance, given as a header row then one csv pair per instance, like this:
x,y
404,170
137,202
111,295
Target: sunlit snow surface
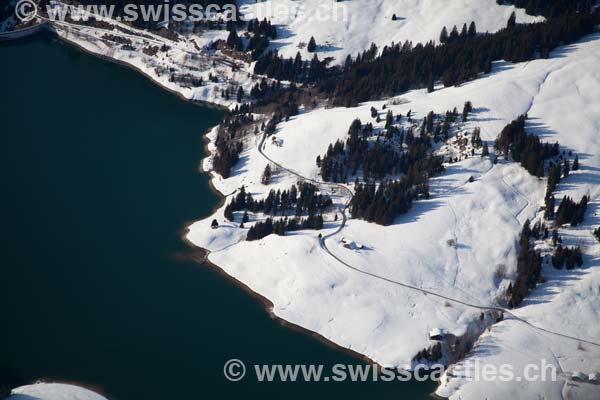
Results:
x,y
390,323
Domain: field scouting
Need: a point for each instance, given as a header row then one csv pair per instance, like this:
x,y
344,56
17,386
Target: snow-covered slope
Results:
x,y
566,109
53,391
388,322
349,27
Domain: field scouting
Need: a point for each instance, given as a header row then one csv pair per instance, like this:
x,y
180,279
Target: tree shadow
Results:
x,y
563,51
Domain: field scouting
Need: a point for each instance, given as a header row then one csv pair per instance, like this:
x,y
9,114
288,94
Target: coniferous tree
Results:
x,y
463,31
233,40
444,35
472,30
266,176
555,237
550,204
312,45
512,20
466,110
486,151
576,163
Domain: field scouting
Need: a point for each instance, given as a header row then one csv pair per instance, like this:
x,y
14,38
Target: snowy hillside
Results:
x,y
567,109
349,27
481,220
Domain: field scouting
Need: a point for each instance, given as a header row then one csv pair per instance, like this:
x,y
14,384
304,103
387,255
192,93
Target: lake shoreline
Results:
x,y
55,35
201,255
202,258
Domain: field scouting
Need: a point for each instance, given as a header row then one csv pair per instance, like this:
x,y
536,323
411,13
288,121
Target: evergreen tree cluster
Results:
x,y
261,32
263,27
554,177
569,256
228,141
285,99
382,203
264,91
571,212
523,148
597,233
282,225
298,200
550,8
396,151
433,354
465,33
292,69
401,67
233,41
529,268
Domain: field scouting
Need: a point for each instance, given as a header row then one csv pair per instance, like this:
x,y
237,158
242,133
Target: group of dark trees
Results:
x,y
228,142
383,202
550,8
293,69
401,67
569,256
571,212
260,32
301,199
453,36
282,225
284,98
391,153
395,151
459,56
597,233
523,148
529,267
432,354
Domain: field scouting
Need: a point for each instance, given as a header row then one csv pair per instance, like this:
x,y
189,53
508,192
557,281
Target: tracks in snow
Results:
x,y
425,292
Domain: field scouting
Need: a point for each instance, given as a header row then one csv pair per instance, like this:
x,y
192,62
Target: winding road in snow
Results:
x,y
425,292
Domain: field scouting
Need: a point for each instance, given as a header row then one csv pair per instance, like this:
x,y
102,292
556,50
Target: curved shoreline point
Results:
x,y
202,259
54,391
